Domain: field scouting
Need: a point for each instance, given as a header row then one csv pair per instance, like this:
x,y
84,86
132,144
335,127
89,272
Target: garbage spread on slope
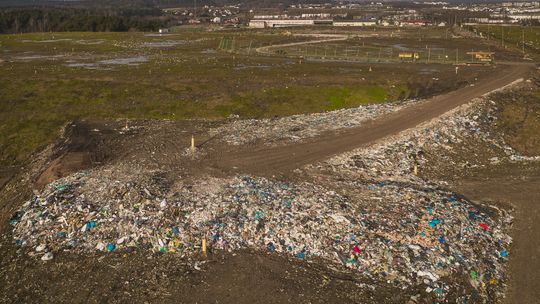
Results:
x,y
394,226
297,127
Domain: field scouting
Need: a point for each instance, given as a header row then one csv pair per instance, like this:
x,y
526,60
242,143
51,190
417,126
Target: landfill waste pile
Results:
x,y
396,161
449,137
402,235
297,127
365,211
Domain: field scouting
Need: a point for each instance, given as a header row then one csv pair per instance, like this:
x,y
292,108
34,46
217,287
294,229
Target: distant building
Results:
x,y
318,15
257,23
525,17
270,16
163,30
354,23
264,23
413,23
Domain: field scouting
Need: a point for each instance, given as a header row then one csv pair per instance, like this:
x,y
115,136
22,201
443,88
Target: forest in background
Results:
x,y
64,19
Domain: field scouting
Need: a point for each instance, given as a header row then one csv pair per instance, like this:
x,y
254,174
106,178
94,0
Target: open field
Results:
x,y
313,178
521,38
151,154
51,78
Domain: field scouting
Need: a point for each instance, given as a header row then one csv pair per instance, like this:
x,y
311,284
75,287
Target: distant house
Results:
x,y
163,30
257,24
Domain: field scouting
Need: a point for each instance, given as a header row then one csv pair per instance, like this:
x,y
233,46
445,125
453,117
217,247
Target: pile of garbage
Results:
x,y
297,127
448,136
406,236
373,215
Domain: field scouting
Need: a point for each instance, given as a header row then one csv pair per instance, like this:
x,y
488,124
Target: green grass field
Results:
x,y
49,79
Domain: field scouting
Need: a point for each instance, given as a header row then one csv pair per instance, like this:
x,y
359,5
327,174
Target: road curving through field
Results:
x,y
326,38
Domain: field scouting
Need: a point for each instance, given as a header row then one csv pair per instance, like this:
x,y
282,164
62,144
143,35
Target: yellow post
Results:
x,y
204,246
415,169
192,143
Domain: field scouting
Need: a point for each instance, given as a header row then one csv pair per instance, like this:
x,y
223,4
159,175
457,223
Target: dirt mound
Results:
x,y
80,147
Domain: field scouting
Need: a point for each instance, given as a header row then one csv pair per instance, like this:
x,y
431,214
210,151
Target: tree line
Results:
x,y
45,19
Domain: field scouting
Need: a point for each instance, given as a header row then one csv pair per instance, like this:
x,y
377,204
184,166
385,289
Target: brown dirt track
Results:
x,y
280,160
517,186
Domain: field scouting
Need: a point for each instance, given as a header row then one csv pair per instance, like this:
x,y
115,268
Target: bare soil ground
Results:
x,y
246,277
269,161
517,187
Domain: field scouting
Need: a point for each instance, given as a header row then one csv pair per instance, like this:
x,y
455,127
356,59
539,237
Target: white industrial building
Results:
x,y
281,23
354,23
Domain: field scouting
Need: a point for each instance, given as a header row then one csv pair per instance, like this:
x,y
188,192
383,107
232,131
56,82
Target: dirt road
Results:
x,y
326,38
269,161
519,187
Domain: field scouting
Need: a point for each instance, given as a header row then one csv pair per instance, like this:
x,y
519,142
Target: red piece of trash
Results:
x,y
484,226
356,249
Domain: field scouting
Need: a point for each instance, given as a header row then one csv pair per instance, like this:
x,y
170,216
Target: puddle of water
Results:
x,y
160,44
90,42
243,67
158,35
36,57
80,65
400,47
88,66
124,61
426,71
102,65
47,41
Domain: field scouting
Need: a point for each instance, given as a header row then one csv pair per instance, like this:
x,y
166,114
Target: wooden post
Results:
x,y
192,143
415,169
204,246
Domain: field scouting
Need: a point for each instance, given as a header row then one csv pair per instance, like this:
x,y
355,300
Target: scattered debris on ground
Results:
x,y
297,127
419,236
372,210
